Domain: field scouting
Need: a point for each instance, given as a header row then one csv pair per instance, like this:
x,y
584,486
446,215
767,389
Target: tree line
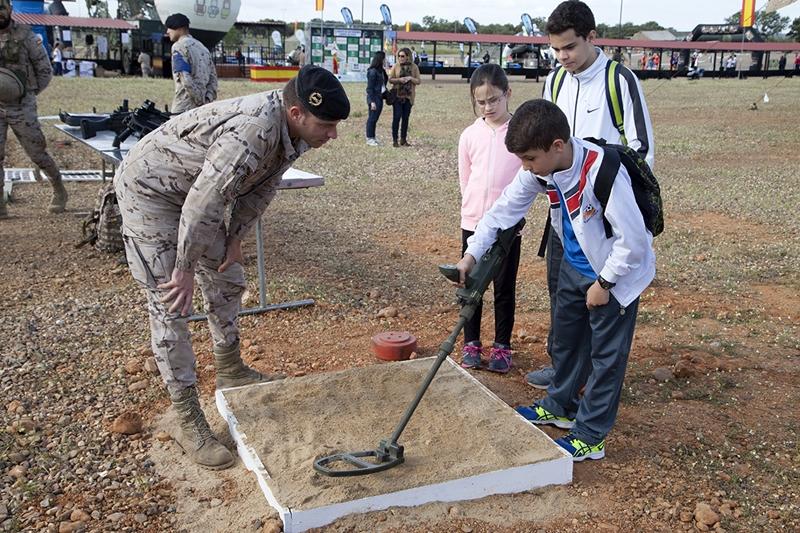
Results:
x,y
770,25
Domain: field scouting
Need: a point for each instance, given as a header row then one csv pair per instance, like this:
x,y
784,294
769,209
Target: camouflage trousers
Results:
x,y
24,123
151,261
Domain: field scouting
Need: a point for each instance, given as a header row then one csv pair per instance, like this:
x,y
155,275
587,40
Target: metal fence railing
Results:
x,y
249,55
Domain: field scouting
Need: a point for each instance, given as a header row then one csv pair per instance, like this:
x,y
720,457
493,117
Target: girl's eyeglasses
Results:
x,y
490,101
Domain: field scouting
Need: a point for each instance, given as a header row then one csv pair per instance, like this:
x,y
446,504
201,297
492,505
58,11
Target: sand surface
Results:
x,y
457,431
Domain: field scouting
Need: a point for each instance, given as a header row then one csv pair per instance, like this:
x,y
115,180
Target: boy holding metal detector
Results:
x,y
608,262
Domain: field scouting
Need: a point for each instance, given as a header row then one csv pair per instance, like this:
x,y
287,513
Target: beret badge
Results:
x,y
315,99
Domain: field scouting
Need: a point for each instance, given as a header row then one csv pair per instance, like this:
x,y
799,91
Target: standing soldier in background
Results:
x,y
192,67
174,189
144,62
23,58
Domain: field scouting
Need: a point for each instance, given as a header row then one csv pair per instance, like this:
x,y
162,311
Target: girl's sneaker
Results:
x,y
471,356
580,450
499,359
373,142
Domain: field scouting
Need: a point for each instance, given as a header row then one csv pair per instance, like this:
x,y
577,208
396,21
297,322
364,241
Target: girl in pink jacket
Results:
x,y
485,167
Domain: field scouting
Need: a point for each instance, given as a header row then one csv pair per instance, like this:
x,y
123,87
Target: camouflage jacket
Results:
x,y
22,53
232,152
194,73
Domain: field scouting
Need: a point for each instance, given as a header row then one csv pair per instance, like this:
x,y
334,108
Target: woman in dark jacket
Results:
x,y
376,85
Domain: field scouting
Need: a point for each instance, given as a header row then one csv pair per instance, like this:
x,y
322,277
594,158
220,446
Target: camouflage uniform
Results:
x,y
174,188
22,53
194,73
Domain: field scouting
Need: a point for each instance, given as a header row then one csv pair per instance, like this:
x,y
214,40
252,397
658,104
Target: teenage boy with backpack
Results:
x,y
600,279
602,99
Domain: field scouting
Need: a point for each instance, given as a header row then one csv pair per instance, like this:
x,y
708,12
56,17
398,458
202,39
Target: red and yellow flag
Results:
x,y
320,5
748,13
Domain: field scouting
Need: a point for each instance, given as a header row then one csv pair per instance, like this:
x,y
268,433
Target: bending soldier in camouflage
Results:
x,y
192,67
26,59
174,188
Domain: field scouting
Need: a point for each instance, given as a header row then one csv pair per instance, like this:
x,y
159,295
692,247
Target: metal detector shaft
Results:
x,y
444,350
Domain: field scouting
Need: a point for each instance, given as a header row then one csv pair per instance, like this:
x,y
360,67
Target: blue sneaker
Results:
x,y
471,356
580,450
537,414
540,379
499,360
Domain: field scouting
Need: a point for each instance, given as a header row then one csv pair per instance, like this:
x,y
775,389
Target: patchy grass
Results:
x,y
726,290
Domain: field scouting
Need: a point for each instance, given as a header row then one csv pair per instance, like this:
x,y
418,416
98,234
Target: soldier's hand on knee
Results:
x,y
181,288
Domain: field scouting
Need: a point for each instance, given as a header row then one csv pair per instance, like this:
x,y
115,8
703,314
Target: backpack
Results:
x,y
103,227
645,185
613,94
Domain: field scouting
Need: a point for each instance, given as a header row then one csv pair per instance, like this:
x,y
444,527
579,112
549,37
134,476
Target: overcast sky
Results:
x,y
679,14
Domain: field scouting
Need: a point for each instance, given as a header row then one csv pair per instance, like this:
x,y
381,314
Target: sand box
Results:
x,y
459,430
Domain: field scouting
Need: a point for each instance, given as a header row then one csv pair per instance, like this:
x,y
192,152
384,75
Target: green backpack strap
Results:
x,y
614,98
556,83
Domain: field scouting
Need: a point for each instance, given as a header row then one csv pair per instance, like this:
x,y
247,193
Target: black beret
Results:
x,y
177,20
322,94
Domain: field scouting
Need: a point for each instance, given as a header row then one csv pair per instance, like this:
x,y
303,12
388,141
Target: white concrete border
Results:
x,y
517,479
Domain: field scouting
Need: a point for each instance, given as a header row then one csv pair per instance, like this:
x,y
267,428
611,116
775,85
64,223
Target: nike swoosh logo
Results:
x,y
592,110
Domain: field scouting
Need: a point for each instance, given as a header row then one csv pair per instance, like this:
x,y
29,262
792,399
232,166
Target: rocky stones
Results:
x,y
387,312
70,527
151,366
163,436
128,423
662,374
14,407
79,515
683,369
138,385
272,525
26,425
133,366
18,471
705,515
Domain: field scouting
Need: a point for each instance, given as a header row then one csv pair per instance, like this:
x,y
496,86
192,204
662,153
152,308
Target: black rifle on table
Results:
x,y
141,121
91,124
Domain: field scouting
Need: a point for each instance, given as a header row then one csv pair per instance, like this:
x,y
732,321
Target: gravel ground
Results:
x,y
707,434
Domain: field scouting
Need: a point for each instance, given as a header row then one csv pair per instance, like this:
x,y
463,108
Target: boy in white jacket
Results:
x,y
600,278
580,86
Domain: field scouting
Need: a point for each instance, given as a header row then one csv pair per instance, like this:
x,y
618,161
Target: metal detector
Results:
x,y
389,453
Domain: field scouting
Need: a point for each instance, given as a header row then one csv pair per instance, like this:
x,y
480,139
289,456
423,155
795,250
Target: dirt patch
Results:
x,y
727,289
457,431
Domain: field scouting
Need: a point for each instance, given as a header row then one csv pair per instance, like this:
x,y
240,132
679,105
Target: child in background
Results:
x,y
485,167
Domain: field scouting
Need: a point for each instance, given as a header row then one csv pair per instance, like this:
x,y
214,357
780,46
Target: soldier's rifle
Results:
x,y
141,121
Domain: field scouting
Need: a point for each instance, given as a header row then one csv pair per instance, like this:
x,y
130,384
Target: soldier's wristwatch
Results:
x,y
606,285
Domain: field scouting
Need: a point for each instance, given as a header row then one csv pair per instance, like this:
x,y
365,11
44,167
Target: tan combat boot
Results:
x,y
194,435
59,202
232,372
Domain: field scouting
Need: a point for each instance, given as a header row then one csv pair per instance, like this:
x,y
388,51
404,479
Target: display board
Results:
x,y
354,47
